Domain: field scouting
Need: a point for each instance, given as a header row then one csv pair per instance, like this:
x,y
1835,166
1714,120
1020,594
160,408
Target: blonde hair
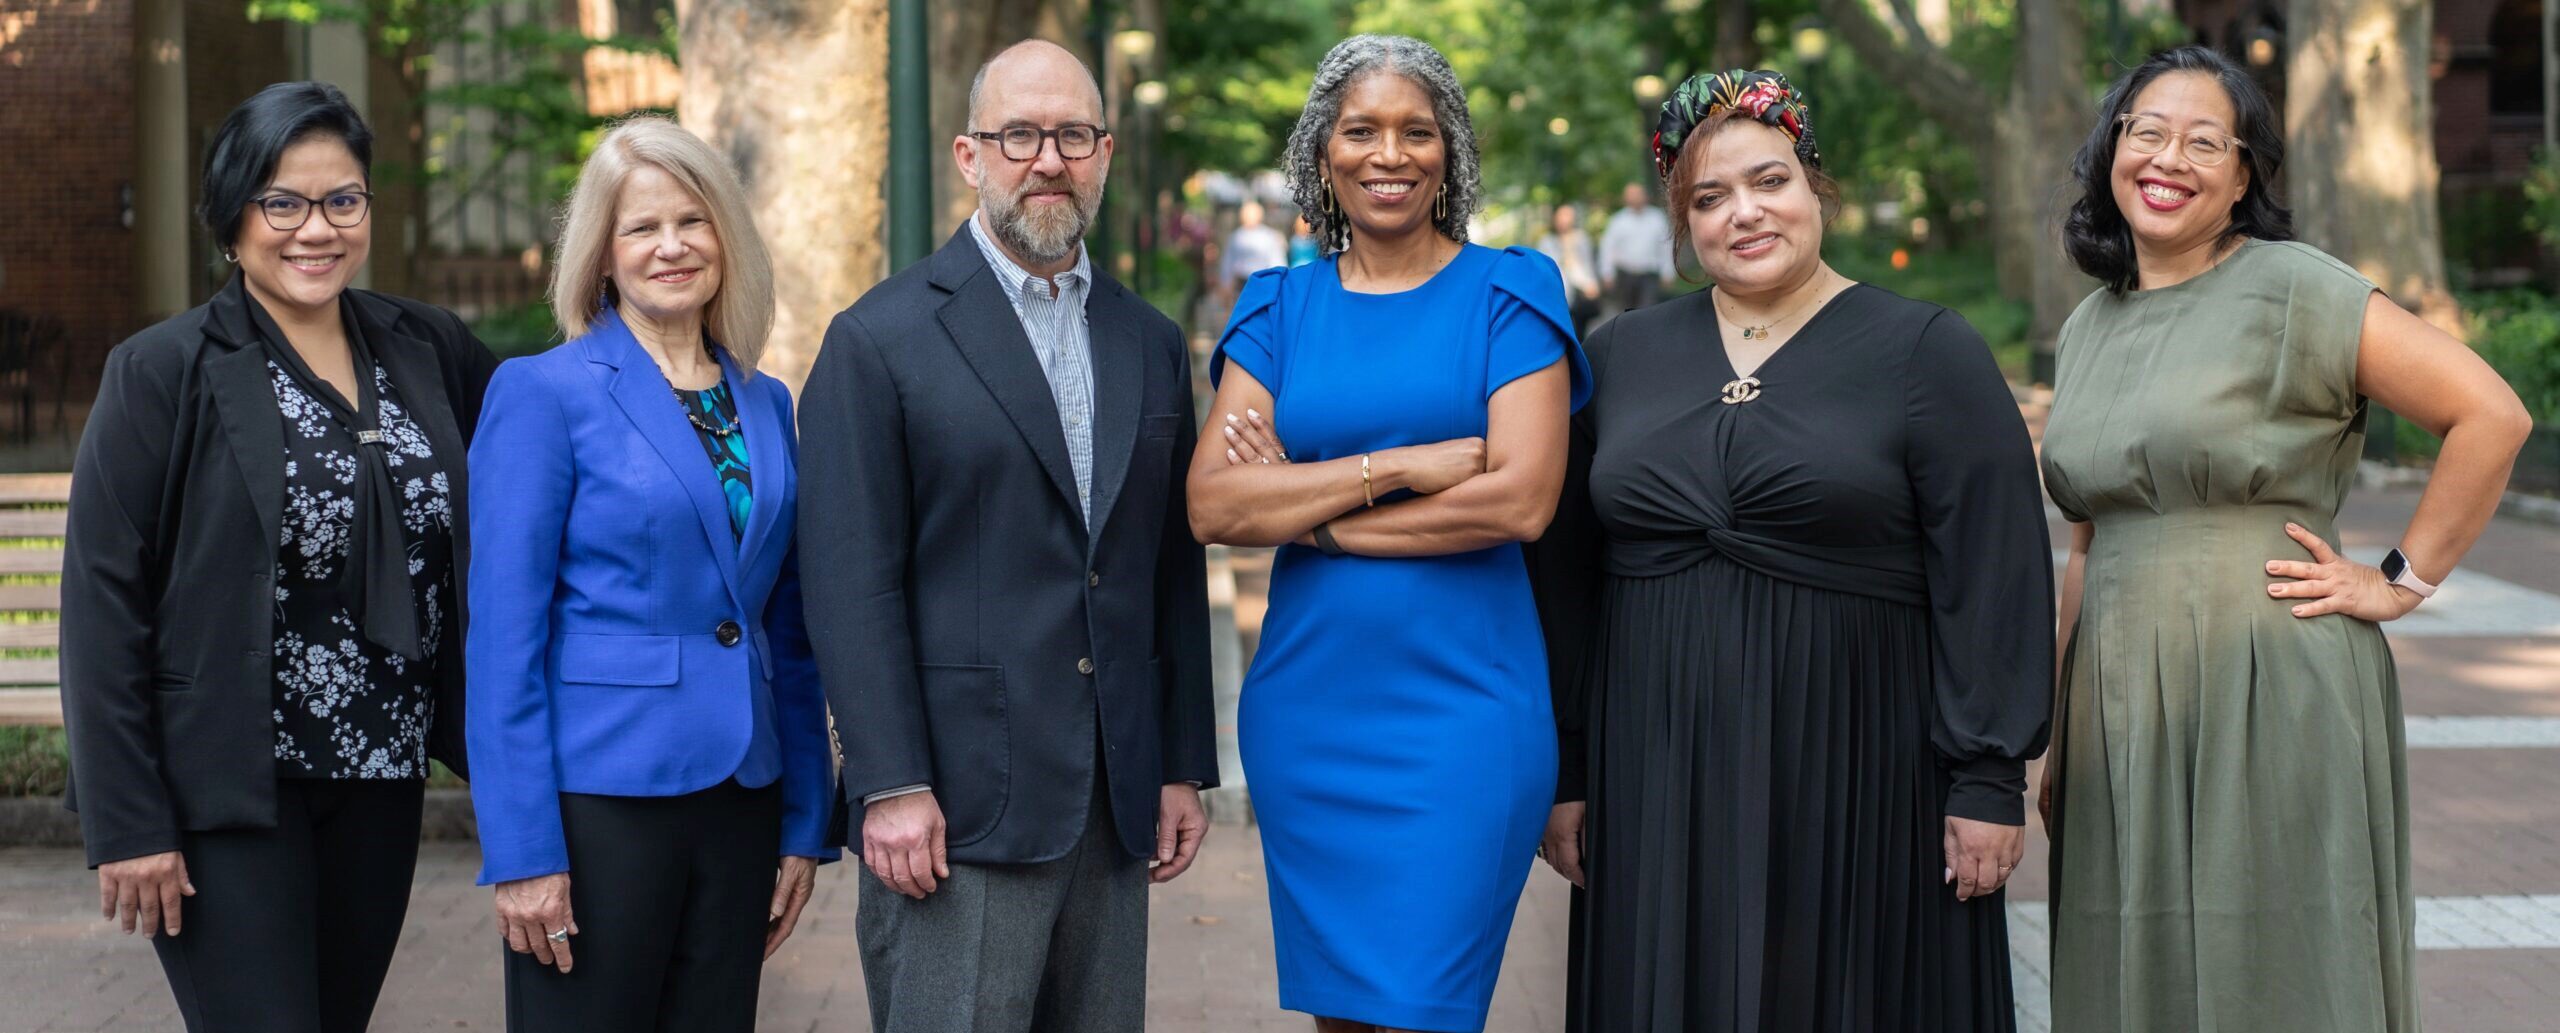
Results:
x,y
740,316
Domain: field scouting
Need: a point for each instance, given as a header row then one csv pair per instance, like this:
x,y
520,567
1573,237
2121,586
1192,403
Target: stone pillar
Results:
x,y
163,160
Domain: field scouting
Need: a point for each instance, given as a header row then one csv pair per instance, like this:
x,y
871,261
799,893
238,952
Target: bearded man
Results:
x,y
1010,613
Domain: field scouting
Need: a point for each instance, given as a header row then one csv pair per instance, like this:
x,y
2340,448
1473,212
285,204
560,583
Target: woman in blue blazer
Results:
x,y
641,690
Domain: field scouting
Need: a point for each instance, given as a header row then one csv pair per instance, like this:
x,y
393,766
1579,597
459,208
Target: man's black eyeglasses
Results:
x,y
1076,140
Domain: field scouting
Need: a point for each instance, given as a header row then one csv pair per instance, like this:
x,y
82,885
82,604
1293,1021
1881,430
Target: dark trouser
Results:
x,y
1054,947
291,929
1583,308
671,895
1636,290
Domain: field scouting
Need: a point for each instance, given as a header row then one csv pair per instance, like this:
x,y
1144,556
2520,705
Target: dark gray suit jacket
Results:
x,y
972,636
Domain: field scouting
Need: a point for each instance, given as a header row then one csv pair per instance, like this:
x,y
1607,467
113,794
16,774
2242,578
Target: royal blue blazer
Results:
x,y
623,641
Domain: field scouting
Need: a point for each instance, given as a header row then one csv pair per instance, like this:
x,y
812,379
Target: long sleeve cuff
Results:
x,y
1573,759
900,791
1989,788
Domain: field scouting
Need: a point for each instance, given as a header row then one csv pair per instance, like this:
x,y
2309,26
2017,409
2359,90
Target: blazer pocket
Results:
x,y
964,708
621,659
1162,425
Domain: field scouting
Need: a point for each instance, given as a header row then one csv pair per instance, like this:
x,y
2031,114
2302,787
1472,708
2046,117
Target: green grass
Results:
x,y
33,761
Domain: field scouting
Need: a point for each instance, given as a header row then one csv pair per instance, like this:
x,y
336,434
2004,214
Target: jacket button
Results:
x,y
1093,579
1084,666
728,633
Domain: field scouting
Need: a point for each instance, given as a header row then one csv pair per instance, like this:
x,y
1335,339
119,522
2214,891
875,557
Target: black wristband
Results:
x,y
1324,540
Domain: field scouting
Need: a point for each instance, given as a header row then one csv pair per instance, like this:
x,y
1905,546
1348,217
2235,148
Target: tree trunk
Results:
x,y
2048,114
2360,118
792,92
1735,47
965,35
2022,139
398,114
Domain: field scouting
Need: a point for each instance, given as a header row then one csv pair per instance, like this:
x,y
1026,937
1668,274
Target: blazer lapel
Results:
x,y
642,393
1119,380
768,475
983,326
244,393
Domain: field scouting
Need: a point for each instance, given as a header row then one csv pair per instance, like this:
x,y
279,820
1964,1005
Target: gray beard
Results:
x,y
1043,237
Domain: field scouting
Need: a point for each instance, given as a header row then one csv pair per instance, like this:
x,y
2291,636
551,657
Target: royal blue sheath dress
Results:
x,y
1396,727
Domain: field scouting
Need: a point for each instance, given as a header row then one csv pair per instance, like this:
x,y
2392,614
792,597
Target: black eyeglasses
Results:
x,y
1076,140
286,212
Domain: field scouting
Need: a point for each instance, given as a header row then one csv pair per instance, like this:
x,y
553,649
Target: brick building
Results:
x,y
105,110
2492,113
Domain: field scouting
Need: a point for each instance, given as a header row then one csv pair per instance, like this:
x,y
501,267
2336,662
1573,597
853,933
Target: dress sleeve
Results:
x,y
1989,565
1564,576
2323,332
1532,325
1252,340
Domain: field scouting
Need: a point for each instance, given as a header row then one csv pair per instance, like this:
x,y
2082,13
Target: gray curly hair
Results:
x,y
1349,62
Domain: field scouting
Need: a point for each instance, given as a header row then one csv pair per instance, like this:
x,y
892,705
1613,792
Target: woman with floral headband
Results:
x,y
1796,599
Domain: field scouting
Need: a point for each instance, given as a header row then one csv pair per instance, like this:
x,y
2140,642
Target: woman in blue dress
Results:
x,y
1396,725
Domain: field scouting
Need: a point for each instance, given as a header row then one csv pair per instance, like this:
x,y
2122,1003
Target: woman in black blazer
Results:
x,y
261,592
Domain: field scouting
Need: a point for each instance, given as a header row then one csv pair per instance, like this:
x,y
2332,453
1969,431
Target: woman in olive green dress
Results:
x,y
2228,794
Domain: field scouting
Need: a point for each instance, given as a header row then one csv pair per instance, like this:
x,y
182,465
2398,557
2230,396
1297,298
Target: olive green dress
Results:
x,y
2231,835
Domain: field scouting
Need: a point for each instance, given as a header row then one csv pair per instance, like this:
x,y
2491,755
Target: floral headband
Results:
x,y
1765,96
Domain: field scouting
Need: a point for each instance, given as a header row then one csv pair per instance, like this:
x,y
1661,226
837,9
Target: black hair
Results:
x,y
2094,232
242,158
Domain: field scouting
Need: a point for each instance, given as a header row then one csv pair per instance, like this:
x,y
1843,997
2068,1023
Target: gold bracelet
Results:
x,y
1367,487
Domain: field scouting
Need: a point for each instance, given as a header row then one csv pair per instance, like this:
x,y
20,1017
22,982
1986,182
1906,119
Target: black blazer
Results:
x,y
970,634
168,568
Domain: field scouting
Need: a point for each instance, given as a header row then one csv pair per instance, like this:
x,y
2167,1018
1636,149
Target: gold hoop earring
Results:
x,y
1440,204
1331,208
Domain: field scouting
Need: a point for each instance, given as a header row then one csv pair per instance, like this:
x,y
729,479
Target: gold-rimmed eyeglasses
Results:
x,y
2146,135
1076,140
288,211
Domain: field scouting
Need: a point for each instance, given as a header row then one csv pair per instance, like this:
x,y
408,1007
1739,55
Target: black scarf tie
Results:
x,y
376,577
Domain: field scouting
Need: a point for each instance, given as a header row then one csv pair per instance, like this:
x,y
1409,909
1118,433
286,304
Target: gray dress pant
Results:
x,y
1054,947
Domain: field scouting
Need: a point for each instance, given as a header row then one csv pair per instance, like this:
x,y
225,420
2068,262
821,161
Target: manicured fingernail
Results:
x,y
1231,417
2275,589
1231,431
1231,454
1256,417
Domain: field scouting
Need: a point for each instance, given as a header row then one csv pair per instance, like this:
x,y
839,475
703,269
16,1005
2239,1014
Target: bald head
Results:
x,y
1034,73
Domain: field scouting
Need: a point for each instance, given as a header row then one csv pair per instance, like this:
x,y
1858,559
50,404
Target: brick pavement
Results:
x,y
2487,823
1209,961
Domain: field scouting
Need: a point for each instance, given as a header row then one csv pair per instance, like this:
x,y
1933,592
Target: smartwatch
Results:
x,y
2397,570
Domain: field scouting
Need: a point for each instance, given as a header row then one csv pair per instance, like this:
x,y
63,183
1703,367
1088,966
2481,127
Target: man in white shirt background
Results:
x,y
1635,252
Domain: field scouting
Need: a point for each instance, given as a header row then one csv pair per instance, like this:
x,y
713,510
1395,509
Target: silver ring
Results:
x,y
559,935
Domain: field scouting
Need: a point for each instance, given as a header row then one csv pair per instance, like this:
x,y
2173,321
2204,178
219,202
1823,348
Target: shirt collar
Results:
x,y
1019,281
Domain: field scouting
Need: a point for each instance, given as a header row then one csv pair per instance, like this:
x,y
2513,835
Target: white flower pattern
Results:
x,y
347,708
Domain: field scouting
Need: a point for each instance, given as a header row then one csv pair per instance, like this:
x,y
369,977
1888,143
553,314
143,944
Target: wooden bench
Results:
x,y
32,511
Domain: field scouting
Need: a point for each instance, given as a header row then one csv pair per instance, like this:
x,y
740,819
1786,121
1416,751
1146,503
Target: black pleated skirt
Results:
x,y
1765,834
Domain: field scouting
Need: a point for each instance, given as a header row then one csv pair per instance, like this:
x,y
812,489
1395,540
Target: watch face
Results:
x,y
2394,565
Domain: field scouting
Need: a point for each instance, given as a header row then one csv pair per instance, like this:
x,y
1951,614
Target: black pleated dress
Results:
x,y
1790,635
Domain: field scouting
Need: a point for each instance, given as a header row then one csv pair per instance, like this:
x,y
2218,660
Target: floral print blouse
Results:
x,y
345,707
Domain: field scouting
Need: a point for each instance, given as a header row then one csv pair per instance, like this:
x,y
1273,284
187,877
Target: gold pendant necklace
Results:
x,y
1761,331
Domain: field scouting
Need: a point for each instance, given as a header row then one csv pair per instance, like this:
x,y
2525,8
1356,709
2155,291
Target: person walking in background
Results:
x,y
1010,614
1253,247
657,780
1570,249
1303,247
2228,796
1797,596
1401,768
1636,255
262,591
